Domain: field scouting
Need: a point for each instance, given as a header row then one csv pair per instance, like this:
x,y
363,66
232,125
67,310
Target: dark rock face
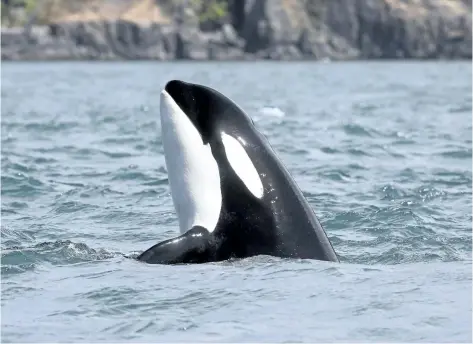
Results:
x,y
403,29
266,29
121,40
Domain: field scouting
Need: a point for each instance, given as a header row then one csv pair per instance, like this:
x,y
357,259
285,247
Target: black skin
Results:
x,y
280,224
194,246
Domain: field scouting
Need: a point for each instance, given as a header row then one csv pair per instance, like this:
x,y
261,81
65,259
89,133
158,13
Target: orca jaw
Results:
x,y
193,172
194,102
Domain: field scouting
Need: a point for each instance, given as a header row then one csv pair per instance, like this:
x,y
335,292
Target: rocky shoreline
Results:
x,y
265,29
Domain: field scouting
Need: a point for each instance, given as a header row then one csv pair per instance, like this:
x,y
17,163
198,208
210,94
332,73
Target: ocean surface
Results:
x,y
382,150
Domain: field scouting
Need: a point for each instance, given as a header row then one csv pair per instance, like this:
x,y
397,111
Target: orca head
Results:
x,y
205,151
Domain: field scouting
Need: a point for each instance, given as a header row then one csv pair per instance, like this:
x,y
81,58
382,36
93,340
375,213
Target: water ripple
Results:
x,y
21,259
381,151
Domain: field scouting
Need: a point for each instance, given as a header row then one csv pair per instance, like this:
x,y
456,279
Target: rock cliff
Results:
x,y
264,29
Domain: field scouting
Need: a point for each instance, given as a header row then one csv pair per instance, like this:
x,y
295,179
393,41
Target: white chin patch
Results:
x,y
192,170
242,165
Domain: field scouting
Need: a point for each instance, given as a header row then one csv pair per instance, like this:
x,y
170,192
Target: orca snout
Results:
x,y
183,95
175,87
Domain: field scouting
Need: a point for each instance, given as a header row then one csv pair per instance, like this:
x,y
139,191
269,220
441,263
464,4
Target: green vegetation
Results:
x,y
204,10
45,11
212,10
8,13
20,11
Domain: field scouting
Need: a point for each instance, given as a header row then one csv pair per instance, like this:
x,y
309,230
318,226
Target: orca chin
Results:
x,y
233,197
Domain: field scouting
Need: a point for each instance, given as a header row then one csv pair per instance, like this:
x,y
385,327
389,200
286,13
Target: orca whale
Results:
x,y
233,196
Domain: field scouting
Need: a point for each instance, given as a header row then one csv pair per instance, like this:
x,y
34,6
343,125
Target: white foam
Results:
x,y
271,112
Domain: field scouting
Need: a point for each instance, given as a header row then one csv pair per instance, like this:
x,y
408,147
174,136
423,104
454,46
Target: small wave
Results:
x,y
69,207
355,166
86,191
11,237
22,185
42,127
60,252
424,193
335,175
150,193
43,160
131,174
391,192
16,205
329,150
117,155
346,219
462,153
358,130
357,152
117,215
157,182
140,147
403,141
10,166
120,140
51,126
461,109
427,193
451,178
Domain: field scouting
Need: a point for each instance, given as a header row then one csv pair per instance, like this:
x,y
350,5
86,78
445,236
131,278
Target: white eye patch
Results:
x,y
242,165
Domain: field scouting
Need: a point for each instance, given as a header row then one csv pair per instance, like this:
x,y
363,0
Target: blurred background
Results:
x,y
235,29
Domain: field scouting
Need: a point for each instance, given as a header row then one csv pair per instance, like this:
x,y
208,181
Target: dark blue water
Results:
x,y
381,150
